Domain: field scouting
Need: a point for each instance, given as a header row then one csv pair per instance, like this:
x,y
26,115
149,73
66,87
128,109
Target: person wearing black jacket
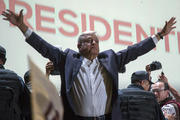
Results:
x,y
14,95
135,102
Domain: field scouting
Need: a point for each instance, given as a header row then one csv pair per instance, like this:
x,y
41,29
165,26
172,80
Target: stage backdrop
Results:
x,y
119,23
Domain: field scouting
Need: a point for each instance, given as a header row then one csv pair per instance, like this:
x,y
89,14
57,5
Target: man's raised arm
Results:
x,y
39,44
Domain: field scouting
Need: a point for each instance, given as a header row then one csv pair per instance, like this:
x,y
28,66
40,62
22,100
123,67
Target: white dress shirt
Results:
x,y
92,90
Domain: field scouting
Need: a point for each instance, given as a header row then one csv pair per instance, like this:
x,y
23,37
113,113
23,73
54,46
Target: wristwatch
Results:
x,y
159,34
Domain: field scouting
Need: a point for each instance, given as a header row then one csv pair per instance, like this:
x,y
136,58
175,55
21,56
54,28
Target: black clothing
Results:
x,y
134,103
17,96
102,117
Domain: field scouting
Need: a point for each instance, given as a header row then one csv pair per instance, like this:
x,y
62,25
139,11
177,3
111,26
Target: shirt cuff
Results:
x,y
28,33
155,40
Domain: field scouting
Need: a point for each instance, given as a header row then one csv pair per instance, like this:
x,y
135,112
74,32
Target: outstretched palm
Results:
x,y
13,18
168,26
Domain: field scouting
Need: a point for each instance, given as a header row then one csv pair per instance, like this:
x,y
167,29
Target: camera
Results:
x,y
155,65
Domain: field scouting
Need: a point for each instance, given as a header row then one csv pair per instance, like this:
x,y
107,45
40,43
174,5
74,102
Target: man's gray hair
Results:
x,y
81,36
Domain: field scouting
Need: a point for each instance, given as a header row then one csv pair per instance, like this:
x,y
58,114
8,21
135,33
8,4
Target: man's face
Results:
x,y
89,45
158,90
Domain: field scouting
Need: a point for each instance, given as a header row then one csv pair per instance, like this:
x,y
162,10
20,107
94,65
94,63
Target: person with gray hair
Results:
x,y
89,78
167,103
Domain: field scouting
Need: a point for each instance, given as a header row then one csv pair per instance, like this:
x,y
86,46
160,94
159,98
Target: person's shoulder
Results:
x,y
7,71
68,50
107,51
137,91
9,74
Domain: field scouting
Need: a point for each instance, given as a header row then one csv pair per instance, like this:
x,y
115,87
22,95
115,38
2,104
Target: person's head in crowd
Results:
x,y
2,55
161,90
141,78
88,44
27,80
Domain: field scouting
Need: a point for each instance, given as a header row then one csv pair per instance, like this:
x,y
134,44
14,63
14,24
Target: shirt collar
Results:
x,y
89,62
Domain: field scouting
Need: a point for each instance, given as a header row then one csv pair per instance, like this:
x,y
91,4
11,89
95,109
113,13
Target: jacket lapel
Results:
x,y
76,66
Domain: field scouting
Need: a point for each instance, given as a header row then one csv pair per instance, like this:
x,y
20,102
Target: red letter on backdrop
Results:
x,y
106,24
2,6
83,22
118,32
139,32
75,27
28,15
152,31
40,18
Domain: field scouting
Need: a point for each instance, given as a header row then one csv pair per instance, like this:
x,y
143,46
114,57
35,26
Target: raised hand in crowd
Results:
x,y
49,68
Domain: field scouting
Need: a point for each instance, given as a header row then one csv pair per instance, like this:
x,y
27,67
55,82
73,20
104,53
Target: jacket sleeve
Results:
x,y
45,49
134,51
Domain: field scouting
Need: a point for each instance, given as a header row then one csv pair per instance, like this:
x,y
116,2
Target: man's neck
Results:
x,y
90,57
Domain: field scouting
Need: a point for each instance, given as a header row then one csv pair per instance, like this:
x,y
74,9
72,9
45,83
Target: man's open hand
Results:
x,y
13,18
168,27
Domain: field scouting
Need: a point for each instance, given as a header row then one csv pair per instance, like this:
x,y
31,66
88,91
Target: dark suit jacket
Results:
x,y
69,62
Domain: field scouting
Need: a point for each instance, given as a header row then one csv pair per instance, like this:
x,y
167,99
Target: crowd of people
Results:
x,y
89,79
